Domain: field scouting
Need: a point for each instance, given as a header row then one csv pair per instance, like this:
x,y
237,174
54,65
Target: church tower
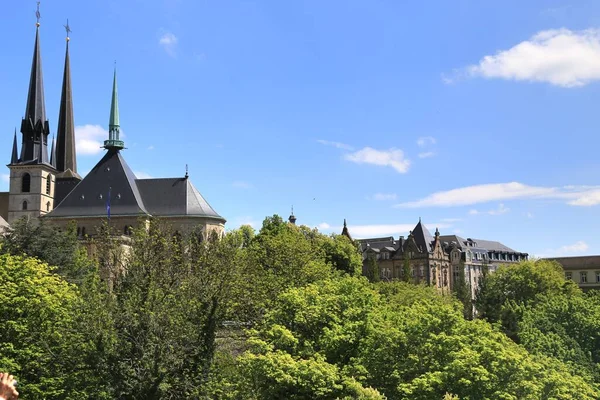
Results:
x,y
31,190
63,155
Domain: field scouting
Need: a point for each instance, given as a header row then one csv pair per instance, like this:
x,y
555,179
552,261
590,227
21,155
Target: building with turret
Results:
x,y
45,183
437,260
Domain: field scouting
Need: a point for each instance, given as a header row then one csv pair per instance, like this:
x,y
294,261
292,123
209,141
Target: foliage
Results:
x,y
157,320
36,238
504,294
407,343
373,272
406,275
38,345
462,291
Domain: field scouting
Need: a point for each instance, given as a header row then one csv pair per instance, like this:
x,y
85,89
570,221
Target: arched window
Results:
x,y
24,204
48,183
26,183
48,206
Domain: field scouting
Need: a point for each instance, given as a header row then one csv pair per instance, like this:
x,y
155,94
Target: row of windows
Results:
x,y
25,206
26,183
583,276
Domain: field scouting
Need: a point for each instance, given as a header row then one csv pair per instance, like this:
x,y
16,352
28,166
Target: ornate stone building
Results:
x,y
435,260
49,187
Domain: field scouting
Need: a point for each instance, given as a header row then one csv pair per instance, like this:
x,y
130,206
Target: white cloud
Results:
x,y
451,219
324,226
168,41
497,211
469,195
590,198
567,250
426,141
6,178
560,57
242,185
529,215
388,158
142,175
457,231
384,196
89,139
337,145
427,154
151,147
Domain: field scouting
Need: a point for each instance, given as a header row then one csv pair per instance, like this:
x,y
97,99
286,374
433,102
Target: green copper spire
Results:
x,y
113,141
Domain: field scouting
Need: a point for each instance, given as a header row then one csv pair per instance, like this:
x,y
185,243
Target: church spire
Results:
x,y
53,154
65,157
14,158
113,141
34,126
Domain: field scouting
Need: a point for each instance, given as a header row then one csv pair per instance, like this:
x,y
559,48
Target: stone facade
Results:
x,y
583,270
436,260
31,192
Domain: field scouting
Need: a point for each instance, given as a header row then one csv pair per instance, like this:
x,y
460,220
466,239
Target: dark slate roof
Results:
x,y
174,197
89,197
578,262
422,237
480,244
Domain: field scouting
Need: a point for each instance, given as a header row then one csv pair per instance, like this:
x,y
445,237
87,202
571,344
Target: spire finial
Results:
x,y
292,217
345,223
68,29
113,141
38,15
186,171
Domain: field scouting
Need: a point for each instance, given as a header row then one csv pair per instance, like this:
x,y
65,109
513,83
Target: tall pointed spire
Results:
x,y
34,126
53,154
36,106
66,158
14,158
113,141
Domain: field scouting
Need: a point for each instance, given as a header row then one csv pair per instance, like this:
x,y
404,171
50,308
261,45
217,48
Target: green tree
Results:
x,y
38,344
462,291
404,341
503,295
342,254
154,322
406,269
59,248
373,272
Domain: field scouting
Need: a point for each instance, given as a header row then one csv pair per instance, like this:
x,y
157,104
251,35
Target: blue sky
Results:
x,y
479,117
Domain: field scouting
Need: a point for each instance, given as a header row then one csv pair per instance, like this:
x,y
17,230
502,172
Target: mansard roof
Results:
x,y
476,244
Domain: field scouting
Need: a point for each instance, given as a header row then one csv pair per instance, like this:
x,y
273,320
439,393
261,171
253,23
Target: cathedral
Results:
x,y
45,183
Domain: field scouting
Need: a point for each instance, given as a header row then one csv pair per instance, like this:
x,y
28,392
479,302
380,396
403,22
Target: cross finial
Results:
x,y
38,15
68,29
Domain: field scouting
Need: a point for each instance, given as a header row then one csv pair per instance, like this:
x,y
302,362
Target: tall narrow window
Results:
x,y
48,183
48,206
24,204
26,183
